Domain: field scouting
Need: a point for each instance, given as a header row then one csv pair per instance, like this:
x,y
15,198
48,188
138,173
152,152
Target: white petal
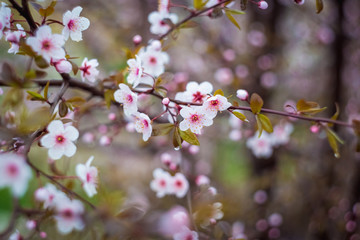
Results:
x,y
76,11
70,149
56,127
81,171
76,36
48,140
184,125
56,152
71,133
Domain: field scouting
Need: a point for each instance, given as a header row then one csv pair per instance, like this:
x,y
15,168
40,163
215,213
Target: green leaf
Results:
x,y
199,4
232,19
308,107
162,129
234,11
256,103
190,137
259,125
219,92
109,97
75,67
36,96
333,139
176,138
319,6
41,62
265,123
46,90
63,109
240,115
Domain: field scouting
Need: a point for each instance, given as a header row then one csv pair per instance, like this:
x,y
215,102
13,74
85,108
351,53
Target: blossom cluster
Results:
x,y
165,184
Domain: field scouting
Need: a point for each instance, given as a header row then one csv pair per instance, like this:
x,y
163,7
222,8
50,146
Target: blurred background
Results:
x,y
284,53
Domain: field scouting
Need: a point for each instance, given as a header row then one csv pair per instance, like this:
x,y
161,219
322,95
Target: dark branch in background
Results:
x,y
25,12
191,16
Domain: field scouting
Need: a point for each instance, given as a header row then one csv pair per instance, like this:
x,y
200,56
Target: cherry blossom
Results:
x,y
5,17
14,173
242,94
158,21
49,195
281,133
216,103
143,125
202,180
88,176
74,24
60,139
14,38
88,70
153,59
263,5
299,2
179,185
173,221
61,65
135,71
46,44
261,147
164,5
186,234
68,216
196,93
161,182
128,98
194,119
16,236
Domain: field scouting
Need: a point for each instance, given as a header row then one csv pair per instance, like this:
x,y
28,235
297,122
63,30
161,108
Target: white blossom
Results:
x,y
46,44
74,24
161,182
88,70
158,21
14,173
143,125
88,175
196,93
68,216
128,98
14,38
216,103
60,139
135,71
261,147
186,234
179,185
49,195
194,119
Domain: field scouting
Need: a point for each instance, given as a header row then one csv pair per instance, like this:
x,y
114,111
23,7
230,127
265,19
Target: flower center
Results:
x,y
198,97
85,69
152,60
129,98
163,23
137,71
214,103
88,177
261,143
12,170
178,183
162,183
71,24
60,139
145,123
67,213
46,44
195,118
189,237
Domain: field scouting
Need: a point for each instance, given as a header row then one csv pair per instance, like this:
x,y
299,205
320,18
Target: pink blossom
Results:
x,y
196,93
60,139
49,195
88,175
135,71
158,24
202,180
68,216
128,98
179,185
46,44
14,38
194,119
161,182
74,24
281,134
224,76
153,60
62,65
30,224
14,173
186,234
263,5
137,39
214,104
275,220
143,125
105,141
261,147
165,101
299,2
173,221
88,70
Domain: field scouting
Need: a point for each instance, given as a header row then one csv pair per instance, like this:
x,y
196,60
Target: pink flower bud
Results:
x,y
137,39
299,2
261,225
31,224
315,128
88,137
43,234
274,233
263,5
212,221
105,141
63,66
112,116
202,180
260,197
165,159
193,149
165,101
173,166
242,94
212,191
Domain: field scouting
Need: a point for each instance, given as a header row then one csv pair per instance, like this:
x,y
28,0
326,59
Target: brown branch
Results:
x,y
191,16
25,12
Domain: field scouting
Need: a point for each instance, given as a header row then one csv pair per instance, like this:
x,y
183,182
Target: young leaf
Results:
x,y
109,97
164,78
190,137
308,107
63,109
336,115
240,116
176,138
232,19
219,92
319,6
333,139
259,125
256,103
75,99
265,123
46,90
36,96
234,11
198,4
162,129
161,90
